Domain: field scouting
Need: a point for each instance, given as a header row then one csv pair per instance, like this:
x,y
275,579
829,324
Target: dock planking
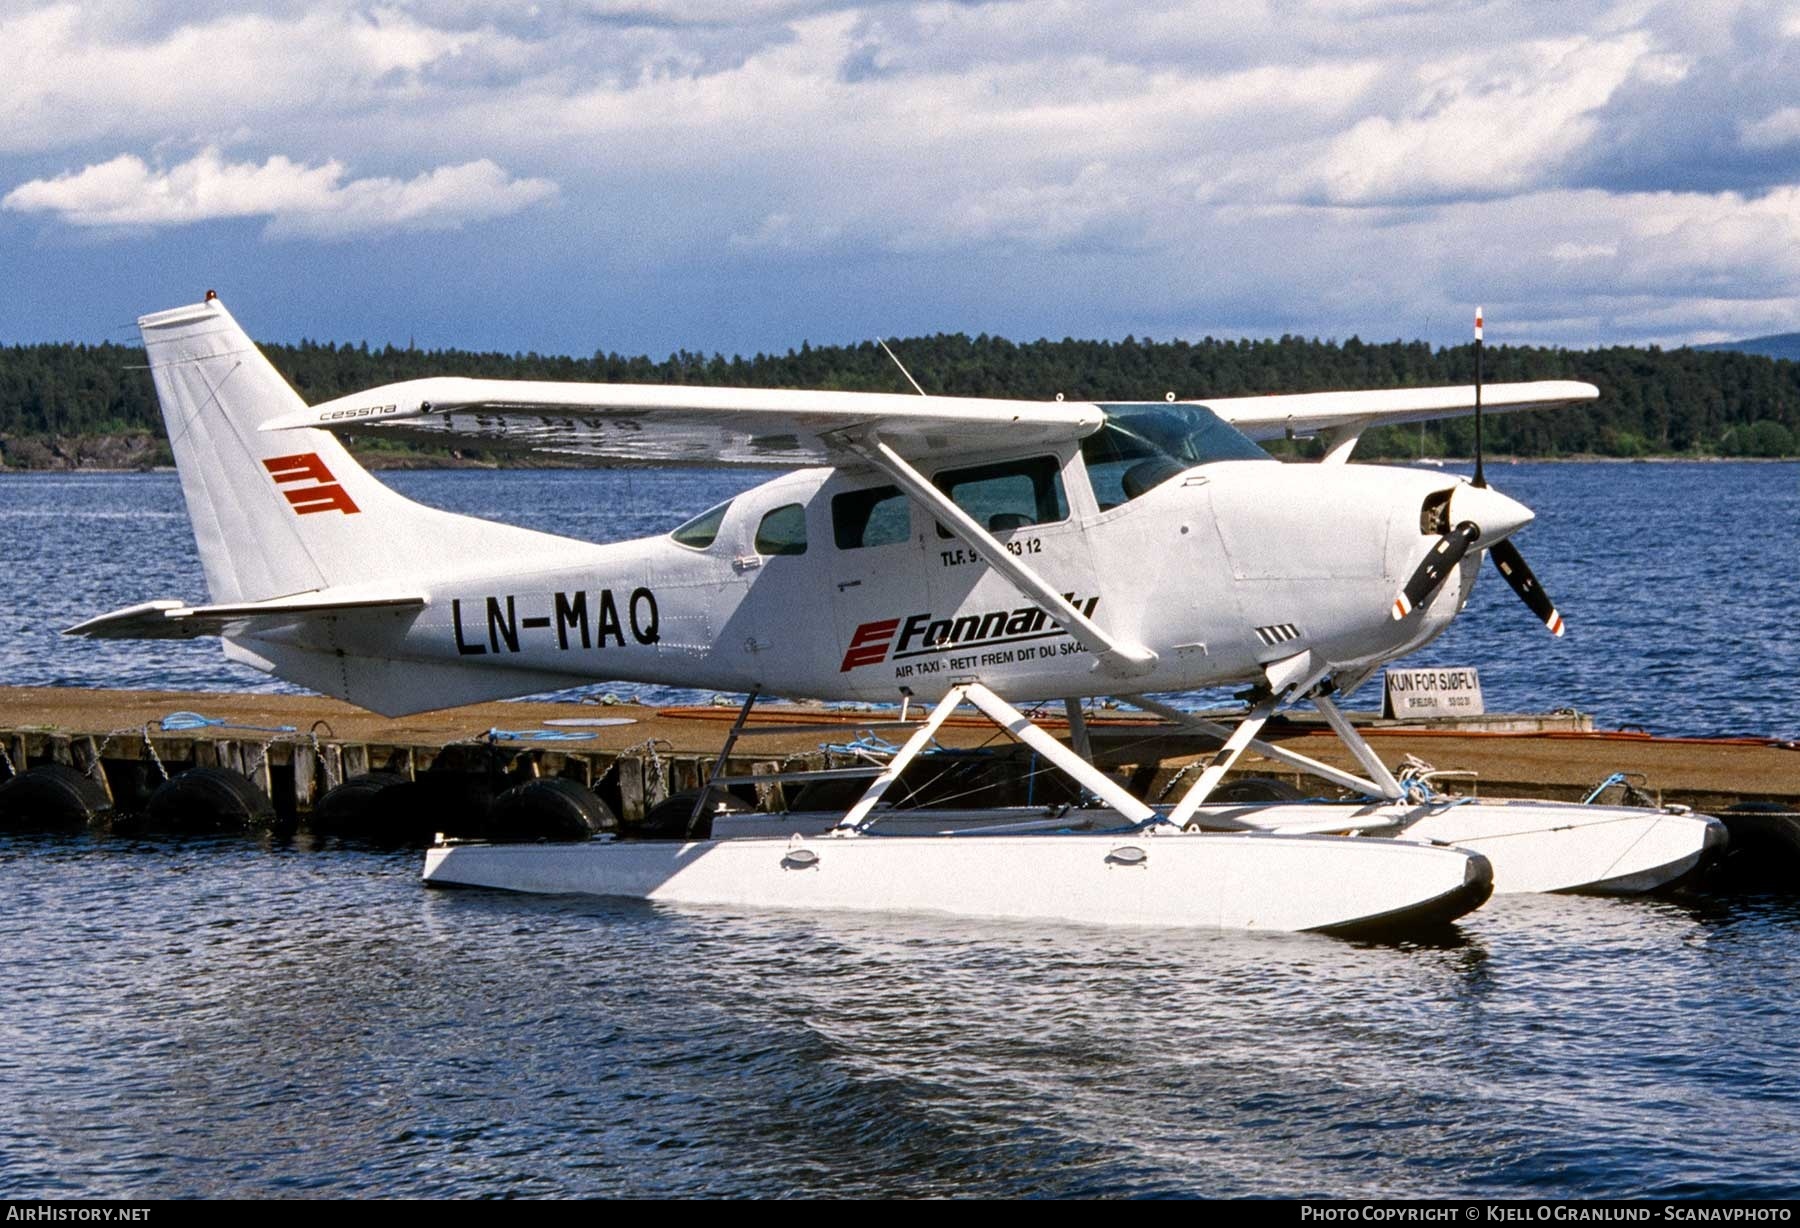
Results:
x,y
660,751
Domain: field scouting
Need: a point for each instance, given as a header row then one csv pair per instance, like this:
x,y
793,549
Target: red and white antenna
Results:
x,y
1480,478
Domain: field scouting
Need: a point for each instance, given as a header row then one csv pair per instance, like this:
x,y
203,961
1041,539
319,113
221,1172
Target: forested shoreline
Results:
x,y
92,406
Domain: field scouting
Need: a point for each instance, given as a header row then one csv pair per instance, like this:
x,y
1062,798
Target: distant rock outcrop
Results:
x,y
133,450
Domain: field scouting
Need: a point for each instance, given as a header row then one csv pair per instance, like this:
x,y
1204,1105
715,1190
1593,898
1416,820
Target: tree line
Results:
x,y
1653,401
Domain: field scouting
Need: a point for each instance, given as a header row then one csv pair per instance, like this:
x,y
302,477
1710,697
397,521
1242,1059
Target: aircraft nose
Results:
x,y
1497,516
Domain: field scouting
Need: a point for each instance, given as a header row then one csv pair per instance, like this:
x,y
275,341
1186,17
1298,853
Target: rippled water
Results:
x,y
217,1017
230,1017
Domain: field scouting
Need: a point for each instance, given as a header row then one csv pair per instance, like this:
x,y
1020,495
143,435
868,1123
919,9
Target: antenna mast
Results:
x,y
908,374
1480,478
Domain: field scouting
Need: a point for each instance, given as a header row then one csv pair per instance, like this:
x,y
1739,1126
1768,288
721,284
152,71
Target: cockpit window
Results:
x,y
702,530
1142,446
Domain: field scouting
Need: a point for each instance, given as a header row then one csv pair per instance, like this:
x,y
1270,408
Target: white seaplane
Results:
x,y
943,549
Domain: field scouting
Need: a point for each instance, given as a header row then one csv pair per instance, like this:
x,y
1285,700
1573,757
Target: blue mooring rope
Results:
x,y
536,735
177,722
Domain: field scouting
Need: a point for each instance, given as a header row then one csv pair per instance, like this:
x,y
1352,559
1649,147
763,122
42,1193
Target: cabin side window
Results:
x,y
1008,495
878,516
702,530
782,531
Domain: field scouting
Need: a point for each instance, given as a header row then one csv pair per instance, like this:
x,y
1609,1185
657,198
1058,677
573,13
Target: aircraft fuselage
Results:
x,y
826,583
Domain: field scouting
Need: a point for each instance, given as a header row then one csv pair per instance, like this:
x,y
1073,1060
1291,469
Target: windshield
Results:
x,y
1142,446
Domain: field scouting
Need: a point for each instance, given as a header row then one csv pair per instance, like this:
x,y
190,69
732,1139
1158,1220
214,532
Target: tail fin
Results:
x,y
280,513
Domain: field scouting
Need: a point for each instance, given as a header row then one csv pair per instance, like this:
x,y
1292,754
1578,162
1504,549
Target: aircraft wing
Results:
x,y
1308,413
687,424
175,620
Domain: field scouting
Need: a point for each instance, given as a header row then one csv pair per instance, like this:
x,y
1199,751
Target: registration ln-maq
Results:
x,y
949,550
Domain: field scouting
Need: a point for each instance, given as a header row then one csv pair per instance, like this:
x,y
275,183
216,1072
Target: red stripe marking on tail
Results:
x,y
327,496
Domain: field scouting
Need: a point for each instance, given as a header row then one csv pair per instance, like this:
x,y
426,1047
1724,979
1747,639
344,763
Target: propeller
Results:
x,y
1445,555
1451,548
1524,582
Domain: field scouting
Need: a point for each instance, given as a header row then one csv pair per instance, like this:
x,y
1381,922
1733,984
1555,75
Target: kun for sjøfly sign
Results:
x,y
1433,692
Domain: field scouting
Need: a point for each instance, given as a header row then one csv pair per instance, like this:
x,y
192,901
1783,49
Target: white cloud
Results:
x,y
298,200
1772,131
1476,127
783,232
1326,165
1558,266
73,73
1583,251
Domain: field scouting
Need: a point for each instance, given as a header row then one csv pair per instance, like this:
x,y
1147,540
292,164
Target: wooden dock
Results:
x,y
296,747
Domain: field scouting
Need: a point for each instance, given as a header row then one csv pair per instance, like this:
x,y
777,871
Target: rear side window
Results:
x,y
782,531
1008,495
702,530
875,517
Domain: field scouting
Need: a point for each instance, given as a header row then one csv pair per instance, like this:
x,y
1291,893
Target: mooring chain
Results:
x,y
150,749
96,766
321,761
1175,780
656,763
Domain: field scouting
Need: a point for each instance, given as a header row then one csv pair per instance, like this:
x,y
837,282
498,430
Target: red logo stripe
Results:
x,y
332,498
869,646
298,468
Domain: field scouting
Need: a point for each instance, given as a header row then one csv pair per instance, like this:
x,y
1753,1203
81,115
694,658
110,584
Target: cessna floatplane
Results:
x,y
953,551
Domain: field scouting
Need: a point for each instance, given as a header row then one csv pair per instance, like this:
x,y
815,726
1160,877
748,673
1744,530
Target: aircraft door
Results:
x,y
876,582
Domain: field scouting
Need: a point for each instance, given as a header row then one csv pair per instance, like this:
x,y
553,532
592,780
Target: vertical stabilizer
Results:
x,y
282,512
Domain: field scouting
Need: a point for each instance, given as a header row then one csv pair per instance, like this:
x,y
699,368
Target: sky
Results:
x,y
739,176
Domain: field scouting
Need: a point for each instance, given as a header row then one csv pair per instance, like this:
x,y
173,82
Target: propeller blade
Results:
x,y
1512,565
1425,581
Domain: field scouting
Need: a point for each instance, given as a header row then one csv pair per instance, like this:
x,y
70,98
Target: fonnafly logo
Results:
x,y
922,635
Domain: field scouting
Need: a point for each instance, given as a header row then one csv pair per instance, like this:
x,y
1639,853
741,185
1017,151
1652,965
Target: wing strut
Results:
x,y
1113,656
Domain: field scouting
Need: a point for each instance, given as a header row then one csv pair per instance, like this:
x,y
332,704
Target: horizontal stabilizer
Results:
x,y
175,620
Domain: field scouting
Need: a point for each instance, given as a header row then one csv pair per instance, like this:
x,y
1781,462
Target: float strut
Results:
x,y
1359,746
1222,759
853,819
718,767
1078,730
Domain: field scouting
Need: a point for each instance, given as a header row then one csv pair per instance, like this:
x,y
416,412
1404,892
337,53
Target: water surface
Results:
x,y
220,1017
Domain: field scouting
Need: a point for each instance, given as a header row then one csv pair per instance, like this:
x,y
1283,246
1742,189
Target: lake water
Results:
x,y
218,1017
230,1016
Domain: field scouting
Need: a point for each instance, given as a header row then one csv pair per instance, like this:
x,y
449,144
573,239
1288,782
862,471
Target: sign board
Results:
x,y
1433,692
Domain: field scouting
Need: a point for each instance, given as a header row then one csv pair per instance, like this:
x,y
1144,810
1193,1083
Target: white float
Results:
x,y
1206,881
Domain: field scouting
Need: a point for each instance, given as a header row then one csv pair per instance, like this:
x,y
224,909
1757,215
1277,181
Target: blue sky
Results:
x,y
646,175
